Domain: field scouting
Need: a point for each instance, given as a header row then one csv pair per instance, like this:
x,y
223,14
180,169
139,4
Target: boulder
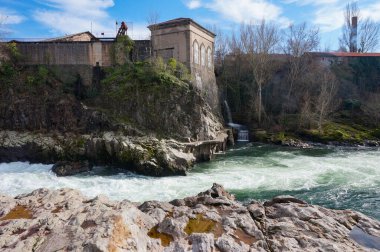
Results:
x,y
65,168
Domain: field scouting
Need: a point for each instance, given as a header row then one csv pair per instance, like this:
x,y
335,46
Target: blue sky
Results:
x,y
49,18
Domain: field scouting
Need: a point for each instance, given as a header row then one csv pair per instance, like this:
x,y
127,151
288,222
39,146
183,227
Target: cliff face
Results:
x,y
32,102
47,220
151,96
118,123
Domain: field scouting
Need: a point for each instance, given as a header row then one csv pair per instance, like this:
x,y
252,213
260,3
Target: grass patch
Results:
x,y
337,132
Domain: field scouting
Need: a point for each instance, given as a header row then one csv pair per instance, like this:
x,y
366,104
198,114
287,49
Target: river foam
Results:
x,y
333,177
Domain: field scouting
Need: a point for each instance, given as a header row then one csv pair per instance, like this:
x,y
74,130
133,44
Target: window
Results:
x,y
209,57
203,55
196,52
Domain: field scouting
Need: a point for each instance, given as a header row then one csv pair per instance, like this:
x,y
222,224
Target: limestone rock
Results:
x,y
64,220
144,155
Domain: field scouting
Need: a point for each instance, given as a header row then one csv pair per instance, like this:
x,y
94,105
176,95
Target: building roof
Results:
x,y
177,22
74,37
343,54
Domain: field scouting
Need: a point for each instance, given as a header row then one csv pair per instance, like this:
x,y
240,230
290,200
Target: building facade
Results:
x,y
191,44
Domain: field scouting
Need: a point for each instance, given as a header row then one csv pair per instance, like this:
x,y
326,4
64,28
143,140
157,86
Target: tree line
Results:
x,y
271,79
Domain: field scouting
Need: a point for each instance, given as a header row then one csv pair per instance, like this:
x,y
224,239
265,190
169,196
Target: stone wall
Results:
x,y
142,50
203,69
70,73
66,53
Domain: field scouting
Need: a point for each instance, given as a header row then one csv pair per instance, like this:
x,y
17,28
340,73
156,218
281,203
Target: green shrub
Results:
x,y
172,65
376,133
121,49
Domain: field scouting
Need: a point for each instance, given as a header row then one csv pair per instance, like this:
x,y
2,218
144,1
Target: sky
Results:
x,y
38,19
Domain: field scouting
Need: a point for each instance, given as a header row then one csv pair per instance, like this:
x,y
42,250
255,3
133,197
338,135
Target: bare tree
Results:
x,y
298,40
220,44
153,18
371,107
220,53
2,34
260,41
367,32
306,113
325,101
348,33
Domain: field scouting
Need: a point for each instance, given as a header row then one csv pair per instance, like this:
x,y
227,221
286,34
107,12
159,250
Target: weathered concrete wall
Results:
x,y
172,42
65,53
72,59
142,50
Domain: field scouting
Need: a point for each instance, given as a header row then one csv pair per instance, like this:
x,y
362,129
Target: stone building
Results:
x,y
193,45
181,38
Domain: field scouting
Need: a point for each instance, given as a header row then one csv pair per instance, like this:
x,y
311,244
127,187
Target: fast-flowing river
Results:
x,y
333,177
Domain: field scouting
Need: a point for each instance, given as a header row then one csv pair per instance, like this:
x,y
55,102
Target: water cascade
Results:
x,y
243,133
243,136
228,110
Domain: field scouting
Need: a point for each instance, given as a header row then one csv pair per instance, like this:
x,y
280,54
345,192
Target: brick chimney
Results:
x,y
354,35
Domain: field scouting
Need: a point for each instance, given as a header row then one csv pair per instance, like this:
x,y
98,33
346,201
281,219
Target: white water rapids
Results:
x,y
333,177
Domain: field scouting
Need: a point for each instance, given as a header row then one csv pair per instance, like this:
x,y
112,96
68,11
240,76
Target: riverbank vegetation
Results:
x,y
276,82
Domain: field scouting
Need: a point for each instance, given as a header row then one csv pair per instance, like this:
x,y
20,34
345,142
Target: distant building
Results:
x,y
78,37
328,58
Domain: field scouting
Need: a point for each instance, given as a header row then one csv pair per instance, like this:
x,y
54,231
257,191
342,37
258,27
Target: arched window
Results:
x,y
203,55
209,57
196,52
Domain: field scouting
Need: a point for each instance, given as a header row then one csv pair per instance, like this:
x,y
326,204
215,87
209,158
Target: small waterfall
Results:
x,y
243,136
243,133
228,110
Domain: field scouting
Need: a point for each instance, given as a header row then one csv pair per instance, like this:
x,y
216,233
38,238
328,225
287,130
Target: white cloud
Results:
x,y
328,19
8,17
313,2
193,4
372,12
328,14
138,31
243,10
71,16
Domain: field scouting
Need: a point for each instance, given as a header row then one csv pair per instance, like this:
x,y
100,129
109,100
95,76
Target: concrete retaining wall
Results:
x,y
65,53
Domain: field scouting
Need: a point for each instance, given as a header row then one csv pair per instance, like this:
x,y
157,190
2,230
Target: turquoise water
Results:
x,y
337,178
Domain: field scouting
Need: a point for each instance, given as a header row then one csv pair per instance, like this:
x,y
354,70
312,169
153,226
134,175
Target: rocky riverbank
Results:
x,y
58,220
145,155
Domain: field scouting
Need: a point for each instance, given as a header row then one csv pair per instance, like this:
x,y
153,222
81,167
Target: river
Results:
x,y
333,177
